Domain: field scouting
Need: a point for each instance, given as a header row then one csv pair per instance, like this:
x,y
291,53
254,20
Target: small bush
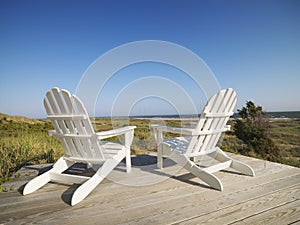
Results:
x,y
254,130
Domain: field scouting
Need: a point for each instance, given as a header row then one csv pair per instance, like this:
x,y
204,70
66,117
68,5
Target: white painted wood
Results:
x,y
67,178
67,117
36,183
115,132
81,144
218,167
207,114
202,140
89,185
239,166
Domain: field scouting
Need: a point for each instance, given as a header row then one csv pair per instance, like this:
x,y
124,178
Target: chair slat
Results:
x,y
67,125
80,146
88,128
52,109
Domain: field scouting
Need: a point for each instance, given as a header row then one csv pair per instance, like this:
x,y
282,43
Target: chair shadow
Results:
x,y
233,172
66,196
143,161
147,163
21,189
40,170
186,178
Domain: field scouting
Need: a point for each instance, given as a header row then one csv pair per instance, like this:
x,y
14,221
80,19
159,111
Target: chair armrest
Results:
x,y
186,131
227,127
51,132
174,130
115,132
193,124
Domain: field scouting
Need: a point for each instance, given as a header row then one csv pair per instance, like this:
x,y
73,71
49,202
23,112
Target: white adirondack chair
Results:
x,y
81,144
202,141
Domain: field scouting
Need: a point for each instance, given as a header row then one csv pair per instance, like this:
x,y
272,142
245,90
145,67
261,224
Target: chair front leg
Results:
x,y
158,135
128,141
160,157
85,189
39,181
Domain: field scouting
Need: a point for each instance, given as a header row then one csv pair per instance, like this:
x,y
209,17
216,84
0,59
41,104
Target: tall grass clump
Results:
x,y
24,143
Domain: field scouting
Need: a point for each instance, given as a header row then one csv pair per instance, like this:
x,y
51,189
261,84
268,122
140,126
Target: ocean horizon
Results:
x,y
271,115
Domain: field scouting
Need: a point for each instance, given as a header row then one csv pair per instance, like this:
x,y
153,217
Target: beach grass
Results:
x,y
25,141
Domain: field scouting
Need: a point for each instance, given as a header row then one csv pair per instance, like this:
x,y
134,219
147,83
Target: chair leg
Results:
x,y
85,189
208,178
159,158
241,167
128,142
38,182
128,160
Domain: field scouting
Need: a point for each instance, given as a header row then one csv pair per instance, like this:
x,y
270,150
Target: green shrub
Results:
x,y
254,130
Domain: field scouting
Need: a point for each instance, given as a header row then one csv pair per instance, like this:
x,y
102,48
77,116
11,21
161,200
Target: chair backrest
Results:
x,y
212,122
73,126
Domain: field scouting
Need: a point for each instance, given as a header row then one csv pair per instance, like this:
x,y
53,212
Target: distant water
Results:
x,y
289,114
275,115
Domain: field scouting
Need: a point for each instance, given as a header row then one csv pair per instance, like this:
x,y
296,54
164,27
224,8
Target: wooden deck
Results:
x,y
272,197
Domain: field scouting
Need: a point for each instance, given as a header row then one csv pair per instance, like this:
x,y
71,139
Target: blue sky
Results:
x,y
251,46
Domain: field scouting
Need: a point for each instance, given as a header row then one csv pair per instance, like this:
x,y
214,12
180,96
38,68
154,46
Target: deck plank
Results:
x,y
255,206
287,213
273,195
183,207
